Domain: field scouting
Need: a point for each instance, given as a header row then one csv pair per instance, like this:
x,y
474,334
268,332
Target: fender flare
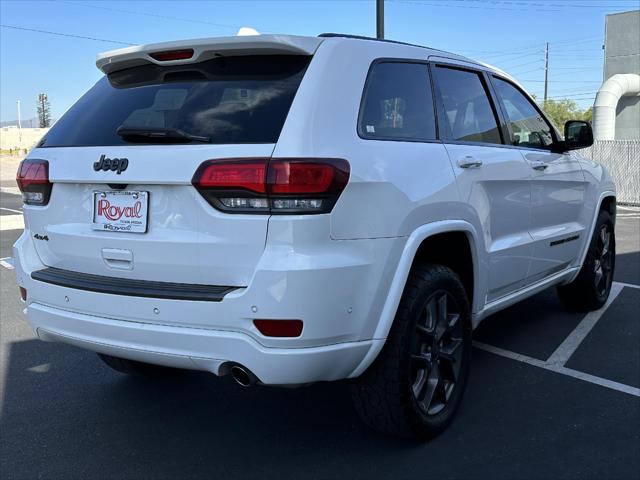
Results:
x,y
583,255
402,273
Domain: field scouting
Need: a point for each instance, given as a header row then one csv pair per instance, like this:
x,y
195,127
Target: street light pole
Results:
x,y
18,104
380,19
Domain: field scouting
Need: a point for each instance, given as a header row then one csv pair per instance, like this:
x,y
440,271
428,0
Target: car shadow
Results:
x,y
64,414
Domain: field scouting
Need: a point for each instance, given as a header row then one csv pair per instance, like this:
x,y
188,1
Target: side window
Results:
x,y
397,103
529,128
468,113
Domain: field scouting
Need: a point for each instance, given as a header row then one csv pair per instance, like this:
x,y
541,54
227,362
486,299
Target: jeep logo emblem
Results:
x,y
117,165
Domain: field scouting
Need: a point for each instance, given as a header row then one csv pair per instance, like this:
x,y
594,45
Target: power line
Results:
x,y
562,81
566,4
147,14
524,64
71,35
573,95
520,57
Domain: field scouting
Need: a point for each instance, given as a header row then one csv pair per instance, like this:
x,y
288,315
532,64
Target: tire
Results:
x,y
590,289
137,369
416,384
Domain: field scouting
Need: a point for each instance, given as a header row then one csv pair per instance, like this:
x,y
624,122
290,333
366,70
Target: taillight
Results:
x,y
273,186
279,328
170,55
33,181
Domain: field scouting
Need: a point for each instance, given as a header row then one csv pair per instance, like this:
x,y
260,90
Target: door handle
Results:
x,y
540,166
469,162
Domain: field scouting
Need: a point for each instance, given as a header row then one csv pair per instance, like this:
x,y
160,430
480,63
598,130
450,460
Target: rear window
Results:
x,y
228,100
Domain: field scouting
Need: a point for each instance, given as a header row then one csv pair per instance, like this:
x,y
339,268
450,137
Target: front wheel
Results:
x,y
590,290
415,386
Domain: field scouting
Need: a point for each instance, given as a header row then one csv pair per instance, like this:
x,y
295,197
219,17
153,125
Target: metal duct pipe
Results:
x,y
604,108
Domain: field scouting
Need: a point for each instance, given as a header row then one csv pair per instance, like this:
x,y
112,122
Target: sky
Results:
x,y
510,34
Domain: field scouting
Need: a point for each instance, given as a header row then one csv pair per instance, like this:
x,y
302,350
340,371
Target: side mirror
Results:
x,y
577,134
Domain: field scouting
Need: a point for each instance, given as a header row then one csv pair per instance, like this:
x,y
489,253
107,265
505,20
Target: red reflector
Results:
x,y
299,177
172,55
234,175
32,172
279,328
23,293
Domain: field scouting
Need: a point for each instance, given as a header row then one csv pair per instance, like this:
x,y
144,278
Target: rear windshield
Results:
x,y
226,100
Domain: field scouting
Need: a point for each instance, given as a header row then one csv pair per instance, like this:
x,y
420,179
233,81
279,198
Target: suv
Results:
x,y
289,210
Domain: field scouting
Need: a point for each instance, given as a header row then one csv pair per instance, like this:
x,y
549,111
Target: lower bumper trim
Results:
x,y
131,287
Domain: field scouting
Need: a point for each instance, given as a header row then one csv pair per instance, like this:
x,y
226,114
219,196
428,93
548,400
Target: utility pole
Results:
x,y
379,18
18,104
546,72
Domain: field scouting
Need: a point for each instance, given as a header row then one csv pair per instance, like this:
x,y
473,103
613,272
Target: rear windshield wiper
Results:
x,y
159,133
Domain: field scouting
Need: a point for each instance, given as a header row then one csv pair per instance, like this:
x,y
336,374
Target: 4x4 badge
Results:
x,y
117,165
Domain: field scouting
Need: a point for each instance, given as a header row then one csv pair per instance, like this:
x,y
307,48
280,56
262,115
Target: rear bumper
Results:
x,y
196,349
336,288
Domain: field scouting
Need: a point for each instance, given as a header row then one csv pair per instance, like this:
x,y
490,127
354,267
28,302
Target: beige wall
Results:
x,y
13,137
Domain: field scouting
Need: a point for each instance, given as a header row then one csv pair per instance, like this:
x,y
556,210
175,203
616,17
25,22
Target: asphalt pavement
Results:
x,y
537,405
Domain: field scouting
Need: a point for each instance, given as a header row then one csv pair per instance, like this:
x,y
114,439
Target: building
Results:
x,y
622,57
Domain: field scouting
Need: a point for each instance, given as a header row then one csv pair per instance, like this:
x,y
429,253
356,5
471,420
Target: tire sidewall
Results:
x,y
604,218
449,282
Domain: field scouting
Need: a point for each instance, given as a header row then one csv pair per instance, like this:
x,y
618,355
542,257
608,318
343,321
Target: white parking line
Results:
x,y
603,382
7,262
11,222
11,210
556,362
575,338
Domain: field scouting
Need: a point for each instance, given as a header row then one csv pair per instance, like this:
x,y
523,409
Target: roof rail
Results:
x,y
361,37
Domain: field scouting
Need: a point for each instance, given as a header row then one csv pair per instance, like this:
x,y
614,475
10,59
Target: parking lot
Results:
x,y
553,394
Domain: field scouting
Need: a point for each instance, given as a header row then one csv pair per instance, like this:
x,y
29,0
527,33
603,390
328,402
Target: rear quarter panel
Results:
x,y
395,186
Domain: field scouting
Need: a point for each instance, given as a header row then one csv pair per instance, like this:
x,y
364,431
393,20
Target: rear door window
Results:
x,y
468,113
398,103
230,100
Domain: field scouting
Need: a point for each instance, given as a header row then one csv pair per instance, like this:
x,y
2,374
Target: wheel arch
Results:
x,y
607,200
416,246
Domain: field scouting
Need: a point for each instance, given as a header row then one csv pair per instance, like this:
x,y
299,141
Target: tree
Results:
x,y
559,111
44,111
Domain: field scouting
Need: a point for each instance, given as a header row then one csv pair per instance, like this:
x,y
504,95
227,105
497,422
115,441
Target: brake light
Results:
x,y
307,177
33,181
243,175
171,55
272,186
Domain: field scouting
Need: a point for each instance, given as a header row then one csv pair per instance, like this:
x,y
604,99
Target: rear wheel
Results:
x,y
139,369
416,384
590,290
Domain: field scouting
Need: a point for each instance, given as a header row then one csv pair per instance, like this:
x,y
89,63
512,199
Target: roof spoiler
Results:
x,y
205,49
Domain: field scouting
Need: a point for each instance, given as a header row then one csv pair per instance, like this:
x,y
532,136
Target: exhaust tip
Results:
x,y
242,376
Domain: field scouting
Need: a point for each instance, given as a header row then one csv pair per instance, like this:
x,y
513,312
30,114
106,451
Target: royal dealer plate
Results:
x,y
120,211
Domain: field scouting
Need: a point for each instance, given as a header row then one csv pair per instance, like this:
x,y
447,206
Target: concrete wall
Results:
x,y
12,138
622,55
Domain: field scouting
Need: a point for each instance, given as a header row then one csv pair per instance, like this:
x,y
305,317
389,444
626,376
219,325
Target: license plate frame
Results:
x,y
125,211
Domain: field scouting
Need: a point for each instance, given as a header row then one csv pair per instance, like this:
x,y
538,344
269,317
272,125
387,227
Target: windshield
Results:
x,y
225,100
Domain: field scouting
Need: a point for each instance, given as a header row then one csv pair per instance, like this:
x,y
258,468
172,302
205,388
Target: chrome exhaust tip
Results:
x,y
242,376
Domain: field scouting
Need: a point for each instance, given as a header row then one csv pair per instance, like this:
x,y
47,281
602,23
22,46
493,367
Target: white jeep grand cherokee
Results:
x,y
291,210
